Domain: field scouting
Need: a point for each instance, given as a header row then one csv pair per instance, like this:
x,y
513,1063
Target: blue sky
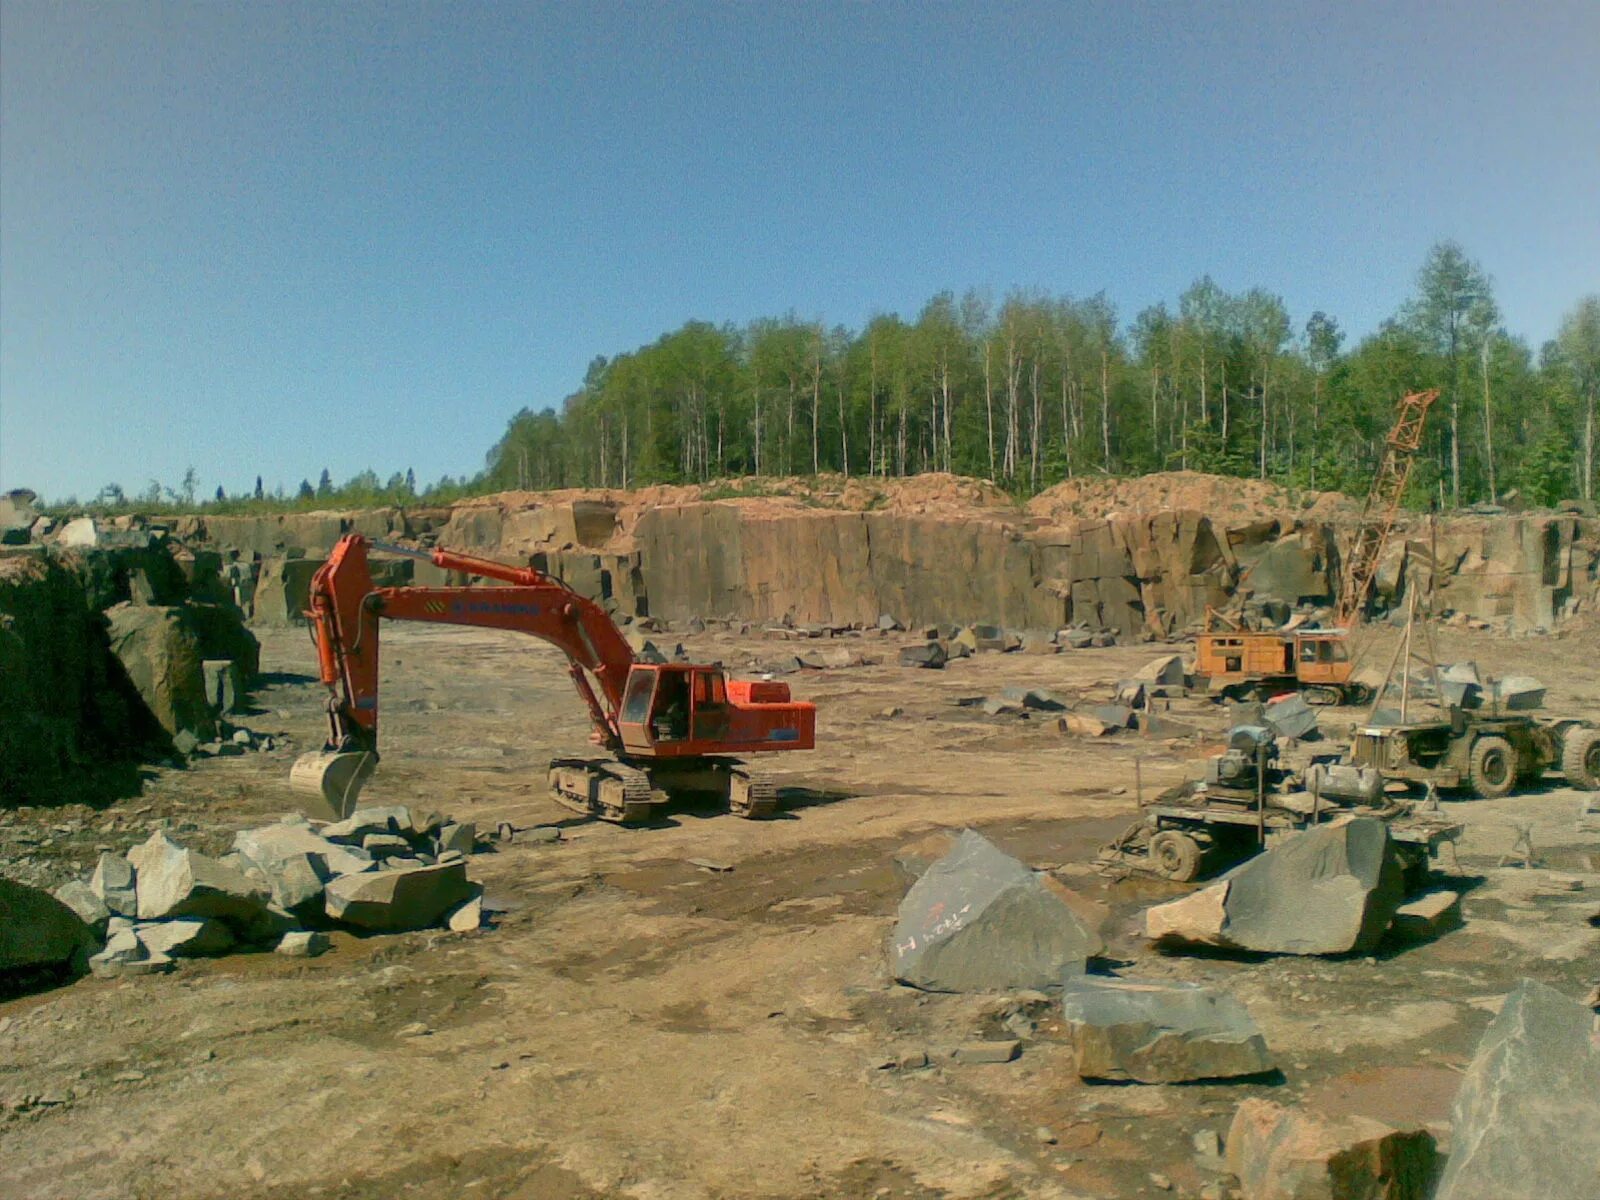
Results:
x,y
269,238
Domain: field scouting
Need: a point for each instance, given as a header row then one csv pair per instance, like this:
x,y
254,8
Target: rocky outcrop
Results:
x,y
1144,556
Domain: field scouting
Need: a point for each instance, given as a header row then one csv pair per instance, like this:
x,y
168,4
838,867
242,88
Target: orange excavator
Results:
x,y
665,729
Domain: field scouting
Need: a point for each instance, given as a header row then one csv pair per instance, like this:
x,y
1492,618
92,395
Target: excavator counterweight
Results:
x,y
667,729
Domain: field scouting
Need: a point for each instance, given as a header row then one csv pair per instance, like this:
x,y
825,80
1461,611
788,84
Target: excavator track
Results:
x,y
602,787
752,793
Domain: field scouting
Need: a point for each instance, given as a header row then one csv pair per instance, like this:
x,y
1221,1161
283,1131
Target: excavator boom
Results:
x,y
674,716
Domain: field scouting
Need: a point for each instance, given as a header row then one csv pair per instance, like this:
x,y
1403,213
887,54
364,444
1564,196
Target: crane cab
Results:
x,y
680,710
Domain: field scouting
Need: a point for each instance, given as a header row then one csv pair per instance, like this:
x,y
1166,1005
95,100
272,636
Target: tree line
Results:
x,y
1041,388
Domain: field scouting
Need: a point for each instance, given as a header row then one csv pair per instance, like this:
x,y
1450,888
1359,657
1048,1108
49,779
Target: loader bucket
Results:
x,y
330,782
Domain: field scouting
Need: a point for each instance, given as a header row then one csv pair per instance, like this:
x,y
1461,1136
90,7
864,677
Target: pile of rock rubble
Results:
x,y
384,869
975,919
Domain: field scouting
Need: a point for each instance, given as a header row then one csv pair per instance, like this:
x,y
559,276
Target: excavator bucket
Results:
x,y
330,782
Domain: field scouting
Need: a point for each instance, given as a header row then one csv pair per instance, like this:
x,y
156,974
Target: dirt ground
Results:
x,y
638,1025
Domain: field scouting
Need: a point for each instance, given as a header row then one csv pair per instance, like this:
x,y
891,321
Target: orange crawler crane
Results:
x,y
1318,662
667,729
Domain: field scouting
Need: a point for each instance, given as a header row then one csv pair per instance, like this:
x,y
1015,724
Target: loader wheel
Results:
x,y
1175,855
1580,758
1493,767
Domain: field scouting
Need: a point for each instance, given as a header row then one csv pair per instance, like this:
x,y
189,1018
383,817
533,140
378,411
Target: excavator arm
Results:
x,y
346,611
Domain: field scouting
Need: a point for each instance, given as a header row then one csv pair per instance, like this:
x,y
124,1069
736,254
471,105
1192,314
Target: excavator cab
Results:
x,y
678,710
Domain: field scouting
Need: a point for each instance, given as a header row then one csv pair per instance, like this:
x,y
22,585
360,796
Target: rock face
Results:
x,y
978,920
1285,1154
413,898
1159,1032
37,930
1329,890
174,882
1526,1122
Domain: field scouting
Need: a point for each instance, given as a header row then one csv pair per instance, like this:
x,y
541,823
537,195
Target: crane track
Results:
x,y
604,788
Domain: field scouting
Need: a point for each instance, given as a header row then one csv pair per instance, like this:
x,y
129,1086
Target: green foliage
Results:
x,y
1038,388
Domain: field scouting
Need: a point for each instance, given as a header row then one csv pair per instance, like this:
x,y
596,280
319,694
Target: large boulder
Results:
x,y
37,930
160,650
1293,1154
979,920
1526,1123
283,590
414,898
1159,1032
175,882
1329,890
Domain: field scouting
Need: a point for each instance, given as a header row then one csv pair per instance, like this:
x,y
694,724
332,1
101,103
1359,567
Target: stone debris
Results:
x,y
303,943
987,1052
1166,671
1428,915
409,898
81,899
174,882
461,838
38,930
187,937
1084,725
1152,1031
466,916
1526,1121
1328,890
1037,643
1518,693
1280,1153
125,954
929,656
979,920
393,818
113,882
1290,717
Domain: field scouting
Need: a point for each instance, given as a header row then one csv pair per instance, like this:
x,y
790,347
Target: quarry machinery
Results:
x,y
666,729
1318,662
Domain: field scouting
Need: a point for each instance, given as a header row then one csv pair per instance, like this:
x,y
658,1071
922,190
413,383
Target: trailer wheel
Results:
x,y
1175,855
1580,757
1493,767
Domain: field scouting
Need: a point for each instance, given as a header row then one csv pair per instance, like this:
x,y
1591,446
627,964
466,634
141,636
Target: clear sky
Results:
x,y
269,237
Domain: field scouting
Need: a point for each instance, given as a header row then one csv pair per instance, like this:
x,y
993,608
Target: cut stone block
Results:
x,y
1159,1032
174,882
1328,890
413,898
1291,1154
1428,915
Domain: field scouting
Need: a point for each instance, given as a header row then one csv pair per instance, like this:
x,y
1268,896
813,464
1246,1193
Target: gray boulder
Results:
x,y
1159,1032
301,943
125,954
979,920
929,655
462,838
1329,890
1526,1123
409,898
81,899
113,881
390,818
174,882
270,846
1290,717
186,937
37,930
